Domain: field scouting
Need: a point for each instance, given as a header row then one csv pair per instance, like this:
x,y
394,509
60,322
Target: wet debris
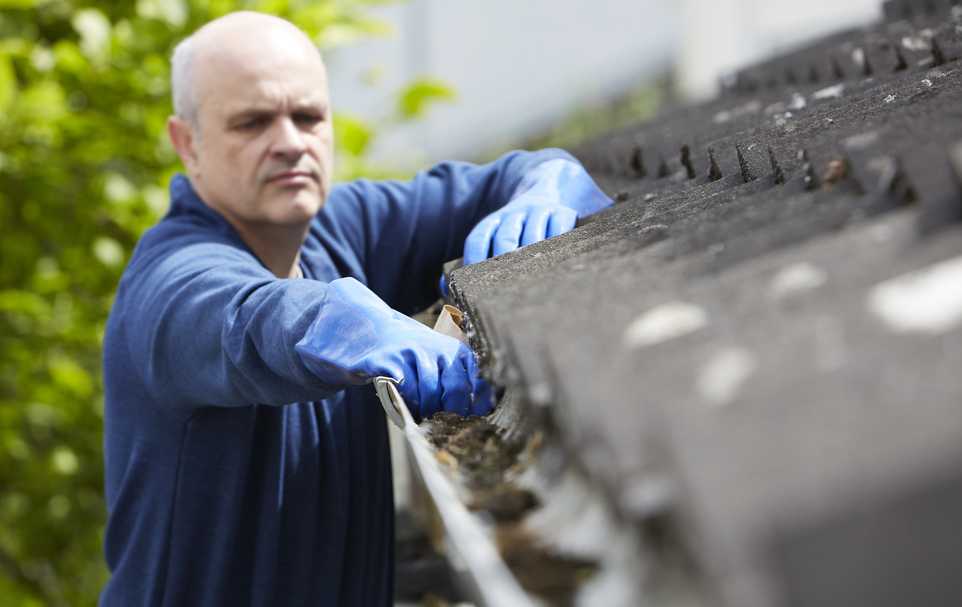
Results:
x,y
476,449
553,577
474,446
505,503
836,171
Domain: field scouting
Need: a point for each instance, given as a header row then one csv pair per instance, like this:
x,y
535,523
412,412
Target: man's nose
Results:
x,y
288,140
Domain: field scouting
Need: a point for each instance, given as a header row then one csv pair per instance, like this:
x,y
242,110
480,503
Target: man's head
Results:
x,y
253,119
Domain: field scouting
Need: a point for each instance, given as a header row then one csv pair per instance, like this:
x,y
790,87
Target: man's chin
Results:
x,y
298,207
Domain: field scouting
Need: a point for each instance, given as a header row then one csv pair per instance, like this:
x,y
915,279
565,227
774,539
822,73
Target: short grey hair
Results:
x,y
181,80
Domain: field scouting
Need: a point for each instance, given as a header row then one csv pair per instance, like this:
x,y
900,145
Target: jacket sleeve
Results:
x,y
205,324
402,233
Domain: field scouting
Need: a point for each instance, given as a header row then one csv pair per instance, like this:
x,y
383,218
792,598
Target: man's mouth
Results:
x,y
293,178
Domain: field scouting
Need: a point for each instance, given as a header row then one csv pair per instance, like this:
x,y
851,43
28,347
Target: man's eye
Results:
x,y
251,124
308,118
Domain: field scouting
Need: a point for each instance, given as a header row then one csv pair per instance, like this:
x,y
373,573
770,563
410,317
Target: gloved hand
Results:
x,y
357,337
548,201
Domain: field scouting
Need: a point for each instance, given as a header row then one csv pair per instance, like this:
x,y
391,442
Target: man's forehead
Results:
x,y
272,102
240,80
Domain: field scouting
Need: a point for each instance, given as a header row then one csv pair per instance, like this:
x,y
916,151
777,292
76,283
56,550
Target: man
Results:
x,y
246,456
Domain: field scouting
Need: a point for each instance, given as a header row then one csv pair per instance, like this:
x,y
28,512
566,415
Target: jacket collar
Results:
x,y
184,201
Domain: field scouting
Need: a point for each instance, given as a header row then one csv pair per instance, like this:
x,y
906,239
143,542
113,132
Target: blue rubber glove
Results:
x,y
357,337
547,202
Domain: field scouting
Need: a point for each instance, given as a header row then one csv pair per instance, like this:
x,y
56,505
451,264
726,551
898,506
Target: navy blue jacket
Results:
x,y
233,475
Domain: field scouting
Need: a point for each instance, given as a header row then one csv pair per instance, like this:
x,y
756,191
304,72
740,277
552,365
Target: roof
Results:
x,y
769,322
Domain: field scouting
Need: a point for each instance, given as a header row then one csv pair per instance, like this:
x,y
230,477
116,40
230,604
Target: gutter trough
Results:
x,y
520,525
481,568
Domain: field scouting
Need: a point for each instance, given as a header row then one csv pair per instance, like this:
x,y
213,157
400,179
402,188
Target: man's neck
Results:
x,y
278,247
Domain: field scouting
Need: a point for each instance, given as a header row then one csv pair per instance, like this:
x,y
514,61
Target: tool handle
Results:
x,y
391,401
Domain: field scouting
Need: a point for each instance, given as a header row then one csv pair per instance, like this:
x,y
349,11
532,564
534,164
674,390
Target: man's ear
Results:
x,y
182,138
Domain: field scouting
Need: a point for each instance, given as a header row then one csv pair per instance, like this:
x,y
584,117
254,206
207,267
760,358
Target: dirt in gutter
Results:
x,y
484,463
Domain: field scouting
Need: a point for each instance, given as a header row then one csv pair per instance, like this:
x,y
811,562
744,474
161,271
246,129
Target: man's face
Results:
x,y
263,142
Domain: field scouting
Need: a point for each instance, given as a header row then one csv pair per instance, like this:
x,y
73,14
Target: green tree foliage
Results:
x,y
84,163
418,96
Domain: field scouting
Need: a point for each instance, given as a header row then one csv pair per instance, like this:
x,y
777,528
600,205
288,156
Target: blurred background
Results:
x,y
558,70
84,163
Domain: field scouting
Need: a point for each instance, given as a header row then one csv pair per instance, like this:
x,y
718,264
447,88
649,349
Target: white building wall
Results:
x,y
723,35
520,66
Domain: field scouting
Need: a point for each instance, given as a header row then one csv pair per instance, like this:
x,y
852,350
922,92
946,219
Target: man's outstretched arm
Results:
x,y
207,325
403,232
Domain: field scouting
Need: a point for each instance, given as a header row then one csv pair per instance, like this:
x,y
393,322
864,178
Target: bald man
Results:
x,y
246,455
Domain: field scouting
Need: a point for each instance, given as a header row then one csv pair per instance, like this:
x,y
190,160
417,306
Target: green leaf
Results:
x,y
420,94
43,102
117,188
109,252
68,58
19,3
59,507
70,376
94,29
173,12
23,302
352,135
8,84
64,461
42,415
